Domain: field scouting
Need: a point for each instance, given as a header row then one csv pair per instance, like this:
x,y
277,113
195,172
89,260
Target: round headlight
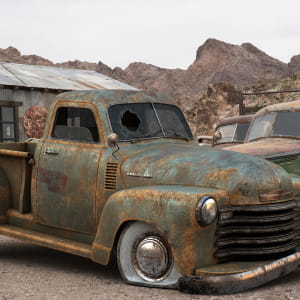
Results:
x,y
206,211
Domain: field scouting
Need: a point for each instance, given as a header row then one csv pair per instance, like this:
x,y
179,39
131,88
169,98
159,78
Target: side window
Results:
x,y
75,124
7,124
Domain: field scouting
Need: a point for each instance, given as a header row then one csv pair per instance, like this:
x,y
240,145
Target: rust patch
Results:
x,y
56,186
224,174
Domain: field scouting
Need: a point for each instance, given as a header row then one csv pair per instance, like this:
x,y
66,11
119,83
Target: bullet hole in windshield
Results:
x,y
130,121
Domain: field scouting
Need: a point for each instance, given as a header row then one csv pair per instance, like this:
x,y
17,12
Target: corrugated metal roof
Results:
x,y
56,78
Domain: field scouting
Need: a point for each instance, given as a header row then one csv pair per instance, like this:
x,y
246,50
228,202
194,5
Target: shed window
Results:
x,y
7,124
75,124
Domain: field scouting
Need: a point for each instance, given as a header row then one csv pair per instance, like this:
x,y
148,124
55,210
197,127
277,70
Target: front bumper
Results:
x,y
241,281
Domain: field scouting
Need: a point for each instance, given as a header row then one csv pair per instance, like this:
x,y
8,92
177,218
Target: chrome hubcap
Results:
x,y
151,259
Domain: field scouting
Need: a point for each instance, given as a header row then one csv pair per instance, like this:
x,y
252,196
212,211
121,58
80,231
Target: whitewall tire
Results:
x,y
145,258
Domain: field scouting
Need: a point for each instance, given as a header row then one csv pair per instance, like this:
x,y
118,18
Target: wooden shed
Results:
x,y
24,86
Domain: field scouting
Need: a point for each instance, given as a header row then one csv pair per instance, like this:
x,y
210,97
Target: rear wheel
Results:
x,y
145,258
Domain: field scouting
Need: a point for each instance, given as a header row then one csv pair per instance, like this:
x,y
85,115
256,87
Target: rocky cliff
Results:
x,y
206,90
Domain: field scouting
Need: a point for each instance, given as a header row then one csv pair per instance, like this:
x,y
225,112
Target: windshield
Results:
x,y
227,133
232,133
261,126
283,124
135,121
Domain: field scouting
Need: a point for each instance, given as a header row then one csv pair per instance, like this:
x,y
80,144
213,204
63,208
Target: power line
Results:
x,y
271,92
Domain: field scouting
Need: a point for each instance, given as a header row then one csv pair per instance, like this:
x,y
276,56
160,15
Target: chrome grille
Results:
x,y
256,231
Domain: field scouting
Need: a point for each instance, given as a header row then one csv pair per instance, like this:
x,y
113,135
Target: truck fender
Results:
x,y
171,210
5,196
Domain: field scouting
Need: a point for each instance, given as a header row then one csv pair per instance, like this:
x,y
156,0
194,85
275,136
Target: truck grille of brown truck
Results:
x,y
297,219
257,232
281,160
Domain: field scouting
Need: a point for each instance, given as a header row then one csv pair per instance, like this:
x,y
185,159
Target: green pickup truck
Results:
x,y
120,170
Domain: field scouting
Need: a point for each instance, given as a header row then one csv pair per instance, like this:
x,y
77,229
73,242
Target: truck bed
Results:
x,y
15,163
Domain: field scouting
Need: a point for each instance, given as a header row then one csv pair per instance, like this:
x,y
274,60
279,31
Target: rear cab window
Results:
x,y
75,124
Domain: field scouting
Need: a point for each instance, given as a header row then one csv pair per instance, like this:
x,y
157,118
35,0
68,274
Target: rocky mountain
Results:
x,y
201,89
243,65
12,54
294,64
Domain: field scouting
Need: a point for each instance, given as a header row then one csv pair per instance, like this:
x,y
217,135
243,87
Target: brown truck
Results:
x,y
121,170
274,134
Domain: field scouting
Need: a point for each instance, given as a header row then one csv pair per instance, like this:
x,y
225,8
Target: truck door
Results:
x,y
68,170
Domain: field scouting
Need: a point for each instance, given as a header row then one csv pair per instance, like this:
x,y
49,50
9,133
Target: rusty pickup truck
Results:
x,y
120,170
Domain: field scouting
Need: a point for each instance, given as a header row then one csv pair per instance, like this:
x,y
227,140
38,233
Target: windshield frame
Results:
x,y
189,135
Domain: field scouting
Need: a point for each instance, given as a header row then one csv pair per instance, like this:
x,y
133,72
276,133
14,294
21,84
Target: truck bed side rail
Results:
x,y
15,153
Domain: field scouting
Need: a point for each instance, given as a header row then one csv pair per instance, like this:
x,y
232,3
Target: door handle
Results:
x,y
51,151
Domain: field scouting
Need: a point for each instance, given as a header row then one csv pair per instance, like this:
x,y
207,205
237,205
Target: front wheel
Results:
x,y
145,258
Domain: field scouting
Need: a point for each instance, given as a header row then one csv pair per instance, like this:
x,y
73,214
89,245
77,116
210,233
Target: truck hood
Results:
x,y
244,177
268,147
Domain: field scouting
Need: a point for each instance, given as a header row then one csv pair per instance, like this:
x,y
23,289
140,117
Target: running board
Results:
x,y
46,240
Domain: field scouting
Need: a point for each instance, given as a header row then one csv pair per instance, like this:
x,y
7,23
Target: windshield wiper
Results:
x,y
177,134
152,134
159,134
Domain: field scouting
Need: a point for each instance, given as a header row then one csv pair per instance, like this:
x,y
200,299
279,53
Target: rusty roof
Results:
x,y
285,106
235,119
110,97
45,77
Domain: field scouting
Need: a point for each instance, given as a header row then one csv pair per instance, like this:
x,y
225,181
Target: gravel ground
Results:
x,y
32,272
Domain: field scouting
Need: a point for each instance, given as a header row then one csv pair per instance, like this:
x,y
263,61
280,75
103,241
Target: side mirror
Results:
x,y
217,136
112,140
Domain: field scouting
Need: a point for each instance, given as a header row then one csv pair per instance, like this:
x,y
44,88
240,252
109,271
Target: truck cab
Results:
x,y
121,170
231,131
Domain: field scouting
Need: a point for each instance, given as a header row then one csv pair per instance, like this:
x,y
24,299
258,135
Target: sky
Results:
x,y
164,33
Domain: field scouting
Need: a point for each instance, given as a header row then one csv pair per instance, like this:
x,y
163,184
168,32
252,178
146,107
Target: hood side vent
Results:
x,y
110,181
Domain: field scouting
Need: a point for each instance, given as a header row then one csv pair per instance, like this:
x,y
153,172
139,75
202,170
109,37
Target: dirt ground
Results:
x,y
32,272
